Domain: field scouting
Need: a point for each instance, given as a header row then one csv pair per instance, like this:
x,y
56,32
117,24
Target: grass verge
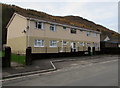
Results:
x,y
18,58
2,54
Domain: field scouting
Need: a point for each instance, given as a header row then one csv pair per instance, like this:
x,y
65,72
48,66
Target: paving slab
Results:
x,y
36,66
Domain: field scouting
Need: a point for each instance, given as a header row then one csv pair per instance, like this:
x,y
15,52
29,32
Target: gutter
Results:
x,y
83,29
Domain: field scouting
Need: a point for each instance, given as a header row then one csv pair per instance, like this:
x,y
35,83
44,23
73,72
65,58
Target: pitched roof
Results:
x,y
57,22
112,39
107,39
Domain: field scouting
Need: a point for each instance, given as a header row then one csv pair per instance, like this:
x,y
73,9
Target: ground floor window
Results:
x,y
95,45
81,43
88,44
53,43
39,43
64,43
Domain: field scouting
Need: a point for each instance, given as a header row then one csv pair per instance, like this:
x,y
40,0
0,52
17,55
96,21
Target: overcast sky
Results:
x,y
104,12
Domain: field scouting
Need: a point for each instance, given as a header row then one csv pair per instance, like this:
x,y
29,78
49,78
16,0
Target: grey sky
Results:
x,y
104,13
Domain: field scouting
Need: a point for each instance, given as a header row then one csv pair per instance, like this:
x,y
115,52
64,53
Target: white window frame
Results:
x,y
87,33
82,44
64,28
52,26
72,29
37,43
88,44
53,43
95,34
64,43
42,25
95,45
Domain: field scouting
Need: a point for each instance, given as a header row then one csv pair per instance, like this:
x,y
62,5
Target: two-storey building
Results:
x,y
48,37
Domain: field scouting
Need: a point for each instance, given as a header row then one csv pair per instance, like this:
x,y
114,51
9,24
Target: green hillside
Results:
x,y
8,10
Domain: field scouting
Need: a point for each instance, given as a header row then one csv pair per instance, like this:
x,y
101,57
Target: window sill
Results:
x,y
53,31
73,33
39,29
38,46
64,44
53,46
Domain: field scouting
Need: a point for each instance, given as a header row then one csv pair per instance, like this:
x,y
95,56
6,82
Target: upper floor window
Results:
x,y
64,27
39,25
80,31
53,43
39,43
94,34
88,33
52,27
73,31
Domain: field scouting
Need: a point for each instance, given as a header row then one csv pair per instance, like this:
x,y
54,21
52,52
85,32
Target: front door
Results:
x,y
73,47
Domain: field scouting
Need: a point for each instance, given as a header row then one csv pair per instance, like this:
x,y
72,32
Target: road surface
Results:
x,y
96,74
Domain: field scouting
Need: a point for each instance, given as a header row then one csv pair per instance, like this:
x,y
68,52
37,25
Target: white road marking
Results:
x,y
57,70
31,74
53,65
74,64
107,61
69,68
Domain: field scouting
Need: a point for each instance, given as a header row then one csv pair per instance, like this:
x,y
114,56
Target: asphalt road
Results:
x,y
96,74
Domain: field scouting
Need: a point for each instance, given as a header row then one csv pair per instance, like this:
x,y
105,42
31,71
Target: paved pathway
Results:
x,y
36,65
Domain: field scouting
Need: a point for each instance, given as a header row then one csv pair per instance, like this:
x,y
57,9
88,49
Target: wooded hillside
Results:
x,y
8,10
